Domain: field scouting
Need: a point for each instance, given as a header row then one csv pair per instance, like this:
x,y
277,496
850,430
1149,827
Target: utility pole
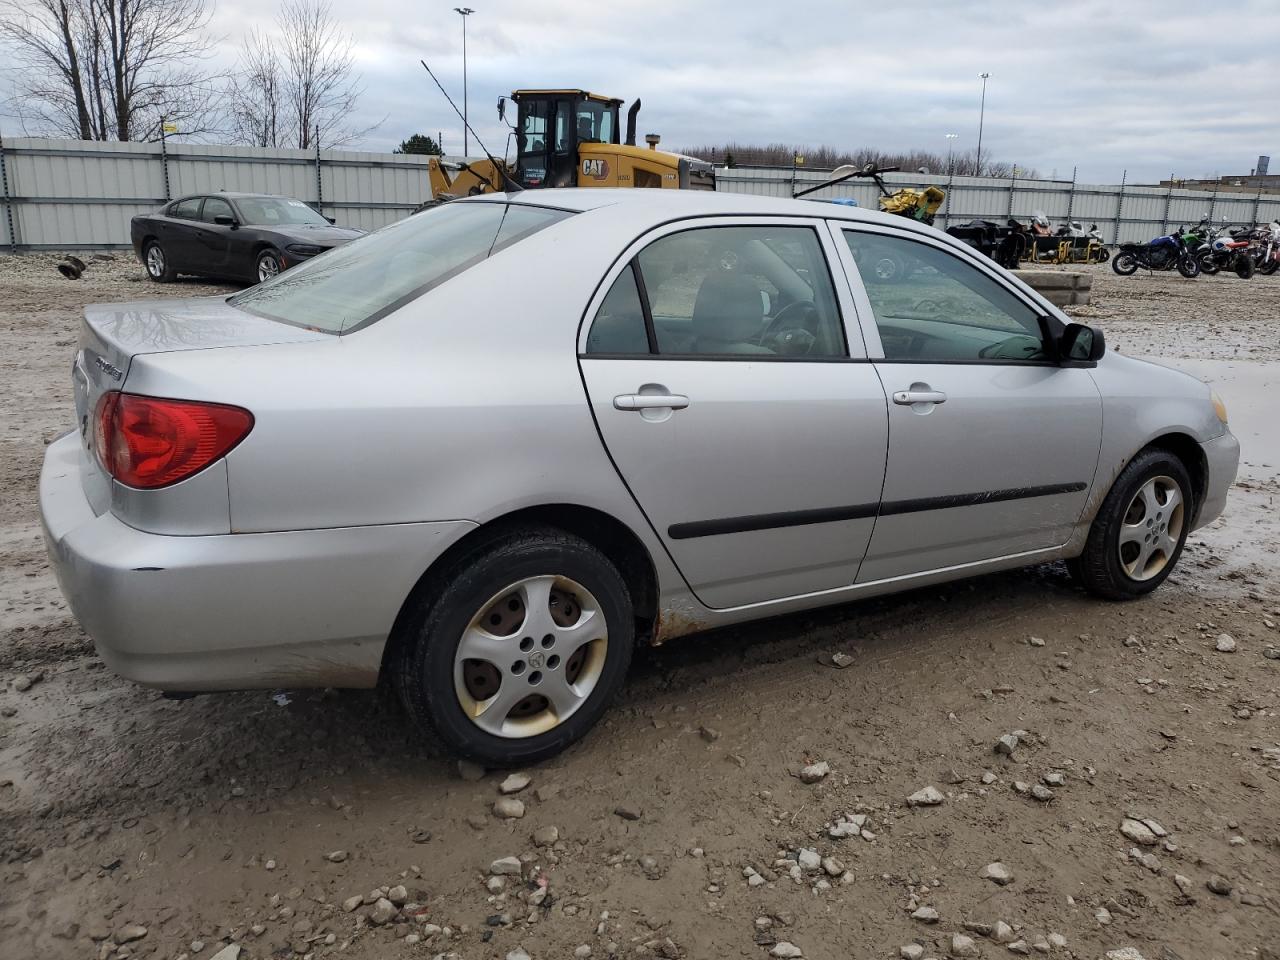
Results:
x,y
982,114
464,12
951,139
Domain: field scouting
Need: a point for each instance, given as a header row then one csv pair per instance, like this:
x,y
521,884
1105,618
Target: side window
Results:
x,y
742,291
188,209
619,323
930,305
215,207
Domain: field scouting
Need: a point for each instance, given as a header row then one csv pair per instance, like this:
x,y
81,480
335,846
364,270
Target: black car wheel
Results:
x,y
270,264
157,263
518,653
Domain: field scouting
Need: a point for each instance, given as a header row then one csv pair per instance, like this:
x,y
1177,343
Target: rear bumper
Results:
x,y
236,611
1222,456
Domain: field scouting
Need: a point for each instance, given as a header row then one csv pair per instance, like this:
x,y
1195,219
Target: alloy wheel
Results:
x,y
1152,528
155,260
530,657
268,267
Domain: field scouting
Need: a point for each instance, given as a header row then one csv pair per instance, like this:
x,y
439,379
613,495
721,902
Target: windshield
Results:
x,y
272,211
361,282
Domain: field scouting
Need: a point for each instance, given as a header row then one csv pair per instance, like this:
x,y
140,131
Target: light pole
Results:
x,y
951,139
982,112
464,12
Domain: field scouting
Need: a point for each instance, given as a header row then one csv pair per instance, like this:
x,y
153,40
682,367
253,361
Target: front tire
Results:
x,y
519,654
1189,266
1140,530
269,264
1125,264
157,263
1208,264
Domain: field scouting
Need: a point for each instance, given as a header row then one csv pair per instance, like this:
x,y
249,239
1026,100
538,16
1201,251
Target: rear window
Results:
x,y
361,282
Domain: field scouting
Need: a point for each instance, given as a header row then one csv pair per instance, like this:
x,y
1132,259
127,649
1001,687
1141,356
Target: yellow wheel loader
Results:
x,y
571,138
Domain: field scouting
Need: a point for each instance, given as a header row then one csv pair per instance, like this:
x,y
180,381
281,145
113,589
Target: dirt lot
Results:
x,y
135,826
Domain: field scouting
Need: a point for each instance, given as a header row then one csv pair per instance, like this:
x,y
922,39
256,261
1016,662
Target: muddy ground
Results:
x,y
132,826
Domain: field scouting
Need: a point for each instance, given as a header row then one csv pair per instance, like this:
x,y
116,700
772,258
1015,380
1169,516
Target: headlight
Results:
x,y
305,249
1219,407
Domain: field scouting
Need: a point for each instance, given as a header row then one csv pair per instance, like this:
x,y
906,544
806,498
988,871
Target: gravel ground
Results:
x,y
1139,808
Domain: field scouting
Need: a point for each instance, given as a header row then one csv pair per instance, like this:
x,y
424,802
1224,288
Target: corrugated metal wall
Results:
x,y
72,194
1124,212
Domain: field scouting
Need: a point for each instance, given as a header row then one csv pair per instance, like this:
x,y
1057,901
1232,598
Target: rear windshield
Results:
x,y
357,284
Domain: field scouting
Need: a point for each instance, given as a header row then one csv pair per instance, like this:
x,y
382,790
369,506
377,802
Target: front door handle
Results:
x,y
650,401
908,397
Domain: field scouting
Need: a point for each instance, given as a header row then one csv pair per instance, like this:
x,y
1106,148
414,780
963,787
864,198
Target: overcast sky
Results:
x,y
1151,86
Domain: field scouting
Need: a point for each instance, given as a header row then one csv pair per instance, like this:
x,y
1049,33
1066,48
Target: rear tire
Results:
x,y
1125,264
1244,266
469,704
1189,266
157,263
1112,565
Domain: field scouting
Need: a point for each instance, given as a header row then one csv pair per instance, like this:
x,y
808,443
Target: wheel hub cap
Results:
x,y
1151,529
530,657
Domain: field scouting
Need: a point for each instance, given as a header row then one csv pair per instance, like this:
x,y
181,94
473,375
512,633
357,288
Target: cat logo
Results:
x,y
596,169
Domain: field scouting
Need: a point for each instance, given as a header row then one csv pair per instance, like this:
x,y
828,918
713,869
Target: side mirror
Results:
x,y
1081,344
332,219
223,220
502,108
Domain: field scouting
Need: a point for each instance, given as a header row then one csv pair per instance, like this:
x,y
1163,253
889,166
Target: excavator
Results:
x,y
568,138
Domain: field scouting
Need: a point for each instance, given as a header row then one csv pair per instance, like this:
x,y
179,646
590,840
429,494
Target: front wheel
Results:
x,y
1208,265
1125,264
521,651
1139,532
1189,266
269,264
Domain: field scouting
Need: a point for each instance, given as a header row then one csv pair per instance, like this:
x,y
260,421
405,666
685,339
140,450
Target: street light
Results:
x,y
951,138
464,12
982,112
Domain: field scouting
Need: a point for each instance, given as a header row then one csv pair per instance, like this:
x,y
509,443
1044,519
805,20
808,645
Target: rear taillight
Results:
x,y
150,442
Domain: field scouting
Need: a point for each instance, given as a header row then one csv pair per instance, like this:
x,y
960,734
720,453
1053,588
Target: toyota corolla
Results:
x,y
487,450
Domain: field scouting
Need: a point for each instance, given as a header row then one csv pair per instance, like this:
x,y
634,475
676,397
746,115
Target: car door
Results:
x,y
180,236
993,445
213,240
718,368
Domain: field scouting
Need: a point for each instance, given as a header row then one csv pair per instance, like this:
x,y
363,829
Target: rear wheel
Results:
x,y
1189,266
519,654
157,263
1244,266
1139,532
1125,264
270,264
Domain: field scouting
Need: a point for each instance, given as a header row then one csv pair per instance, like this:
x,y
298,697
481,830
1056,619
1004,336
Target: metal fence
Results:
x,y
1125,213
79,195
74,194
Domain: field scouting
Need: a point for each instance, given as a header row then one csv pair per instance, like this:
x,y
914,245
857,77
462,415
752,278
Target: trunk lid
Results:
x,y
112,334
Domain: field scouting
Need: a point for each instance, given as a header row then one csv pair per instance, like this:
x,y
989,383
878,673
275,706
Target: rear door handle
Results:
x,y
650,401
908,397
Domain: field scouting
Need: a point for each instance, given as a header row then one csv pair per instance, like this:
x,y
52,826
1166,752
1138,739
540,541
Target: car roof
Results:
x,y
693,203
236,195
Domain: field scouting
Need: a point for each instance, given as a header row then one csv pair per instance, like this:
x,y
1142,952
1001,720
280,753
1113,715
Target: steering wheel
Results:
x,y
800,332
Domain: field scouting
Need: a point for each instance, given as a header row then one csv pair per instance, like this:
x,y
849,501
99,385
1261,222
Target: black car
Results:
x,y
234,236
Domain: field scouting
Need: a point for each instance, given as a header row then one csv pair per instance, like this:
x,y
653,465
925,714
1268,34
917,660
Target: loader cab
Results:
x,y
550,125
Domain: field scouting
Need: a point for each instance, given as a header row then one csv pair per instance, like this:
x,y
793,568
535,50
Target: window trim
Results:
x,y
173,208
629,258
205,201
871,331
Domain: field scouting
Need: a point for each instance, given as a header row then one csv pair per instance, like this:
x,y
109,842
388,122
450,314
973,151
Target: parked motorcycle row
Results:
x,y
1206,248
1036,242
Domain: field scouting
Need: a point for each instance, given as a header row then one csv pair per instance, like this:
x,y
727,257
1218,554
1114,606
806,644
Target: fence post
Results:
x,y
951,179
1120,206
1071,197
164,160
1213,201
8,203
1257,206
1168,202
1013,182
319,183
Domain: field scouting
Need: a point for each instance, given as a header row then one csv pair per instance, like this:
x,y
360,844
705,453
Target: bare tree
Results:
x,y
319,73
110,69
258,107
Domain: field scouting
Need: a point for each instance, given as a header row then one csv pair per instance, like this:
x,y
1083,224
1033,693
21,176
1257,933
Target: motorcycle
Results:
x,y
1228,252
1162,253
1266,253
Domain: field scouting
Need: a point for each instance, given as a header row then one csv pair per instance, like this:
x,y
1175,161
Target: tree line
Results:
x,y
962,163
132,69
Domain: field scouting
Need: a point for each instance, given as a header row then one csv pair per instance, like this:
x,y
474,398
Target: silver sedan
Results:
x,y
485,451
